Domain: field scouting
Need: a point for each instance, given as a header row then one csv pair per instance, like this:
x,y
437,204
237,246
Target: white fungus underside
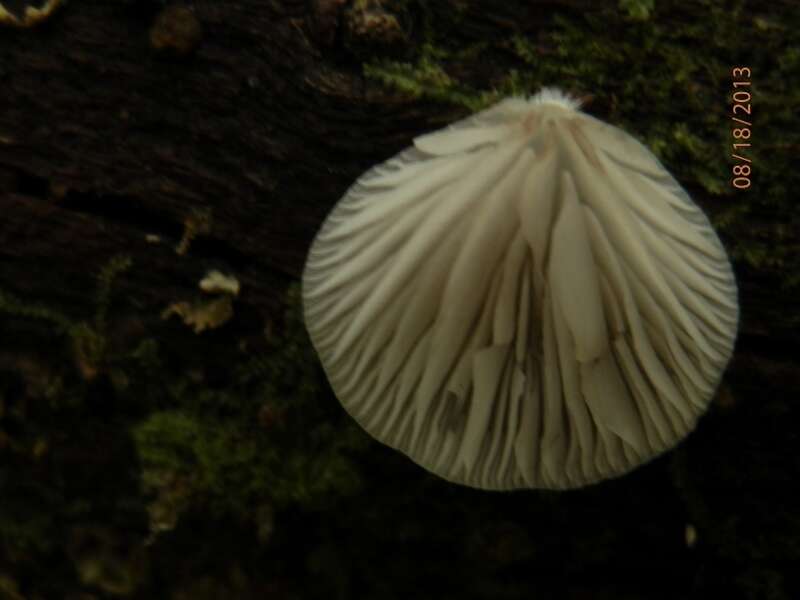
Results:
x,y
526,298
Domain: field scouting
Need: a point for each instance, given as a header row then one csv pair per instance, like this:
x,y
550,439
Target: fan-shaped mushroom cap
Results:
x,y
526,298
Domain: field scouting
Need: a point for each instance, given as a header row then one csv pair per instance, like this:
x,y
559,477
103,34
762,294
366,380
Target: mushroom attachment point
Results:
x,y
524,299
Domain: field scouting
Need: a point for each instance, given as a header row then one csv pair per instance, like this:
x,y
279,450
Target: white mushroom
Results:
x,y
526,298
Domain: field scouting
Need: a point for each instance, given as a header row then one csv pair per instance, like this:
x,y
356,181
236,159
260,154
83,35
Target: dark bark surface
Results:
x,y
131,128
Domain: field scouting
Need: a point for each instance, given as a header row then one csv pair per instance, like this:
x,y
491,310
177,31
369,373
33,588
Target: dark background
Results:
x,y
144,143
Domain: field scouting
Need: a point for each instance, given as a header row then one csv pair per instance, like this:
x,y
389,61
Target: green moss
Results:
x,y
31,508
231,467
637,9
427,78
88,337
266,439
13,306
105,282
25,527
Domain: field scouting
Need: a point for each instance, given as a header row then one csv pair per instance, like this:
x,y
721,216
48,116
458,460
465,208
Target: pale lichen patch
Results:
x,y
215,282
206,314
28,13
